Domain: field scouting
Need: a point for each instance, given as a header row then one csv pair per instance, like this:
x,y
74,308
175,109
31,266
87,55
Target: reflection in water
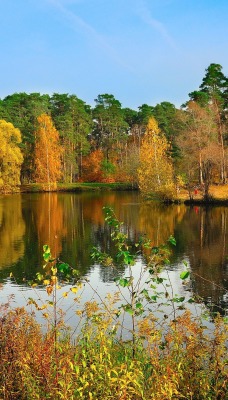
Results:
x,y
48,217
12,230
202,236
73,223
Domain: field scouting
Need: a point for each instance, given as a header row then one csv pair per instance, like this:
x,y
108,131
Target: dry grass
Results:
x,y
218,192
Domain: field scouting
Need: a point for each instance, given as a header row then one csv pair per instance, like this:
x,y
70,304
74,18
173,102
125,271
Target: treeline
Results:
x,y
59,138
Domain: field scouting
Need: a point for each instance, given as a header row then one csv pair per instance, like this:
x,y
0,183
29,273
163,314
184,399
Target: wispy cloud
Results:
x,y
77,22
145,15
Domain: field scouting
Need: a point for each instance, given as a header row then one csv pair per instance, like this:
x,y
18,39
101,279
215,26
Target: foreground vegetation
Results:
x,y
163,352
185,363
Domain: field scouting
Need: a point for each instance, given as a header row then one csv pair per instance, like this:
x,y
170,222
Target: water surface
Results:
x,y
71,224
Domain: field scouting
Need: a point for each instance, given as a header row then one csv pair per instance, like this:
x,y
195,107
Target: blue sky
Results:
x,y
141,51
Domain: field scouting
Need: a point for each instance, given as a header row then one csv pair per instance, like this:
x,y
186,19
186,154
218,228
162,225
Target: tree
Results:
x,y
213,93
199,132
168,120
155,173
73,120
92,166
47,153
10,156
110,129
22,110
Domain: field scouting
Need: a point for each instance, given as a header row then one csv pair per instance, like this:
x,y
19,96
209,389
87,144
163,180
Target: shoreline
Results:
x,y
218,193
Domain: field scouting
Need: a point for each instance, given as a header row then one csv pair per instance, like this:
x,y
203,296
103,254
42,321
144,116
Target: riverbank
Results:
x,y
218,194
76,187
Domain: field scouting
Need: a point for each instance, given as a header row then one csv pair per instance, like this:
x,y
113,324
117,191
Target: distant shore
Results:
x,y
218,193
76,187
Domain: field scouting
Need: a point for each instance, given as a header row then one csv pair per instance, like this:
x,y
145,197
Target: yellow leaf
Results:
x,y
74,289
42,307
54,279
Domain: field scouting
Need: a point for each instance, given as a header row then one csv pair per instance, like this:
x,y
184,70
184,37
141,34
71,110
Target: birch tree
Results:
x,y
155,173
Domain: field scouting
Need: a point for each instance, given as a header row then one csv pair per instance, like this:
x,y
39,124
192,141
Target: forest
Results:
x,y
48,139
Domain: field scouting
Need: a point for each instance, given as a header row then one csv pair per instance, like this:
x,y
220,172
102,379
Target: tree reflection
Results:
x,y
12,230
71,224
204,237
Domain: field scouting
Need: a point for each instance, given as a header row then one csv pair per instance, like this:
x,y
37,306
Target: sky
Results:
x,y
140,51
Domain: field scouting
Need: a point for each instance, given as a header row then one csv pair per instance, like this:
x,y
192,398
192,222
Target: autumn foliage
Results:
x,y
91,167
10,156
47,153
155,172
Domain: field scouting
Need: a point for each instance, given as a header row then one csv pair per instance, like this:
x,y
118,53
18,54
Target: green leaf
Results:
x,y
46,248
75,272
159,280
178,299
129,309
172,240
63,267
123,282
39,276
46,256
184,275
145,293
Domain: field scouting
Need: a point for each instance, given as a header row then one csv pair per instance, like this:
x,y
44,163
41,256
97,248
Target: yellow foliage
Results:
x,y
155,172
12,230
10,156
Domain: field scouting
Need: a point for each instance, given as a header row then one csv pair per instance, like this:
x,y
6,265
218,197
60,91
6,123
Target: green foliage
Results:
x,y
107,167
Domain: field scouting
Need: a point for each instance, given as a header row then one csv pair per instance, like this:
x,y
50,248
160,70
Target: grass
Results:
x,y
218,193
77,187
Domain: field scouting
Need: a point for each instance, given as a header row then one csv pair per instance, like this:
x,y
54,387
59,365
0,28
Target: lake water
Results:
x,y
71,224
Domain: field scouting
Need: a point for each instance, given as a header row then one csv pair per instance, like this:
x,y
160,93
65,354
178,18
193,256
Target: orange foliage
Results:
x,y
50,223
91,167
47,152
